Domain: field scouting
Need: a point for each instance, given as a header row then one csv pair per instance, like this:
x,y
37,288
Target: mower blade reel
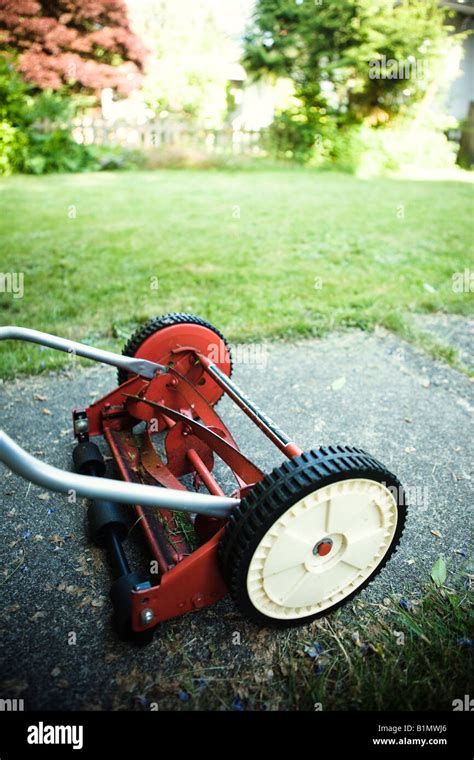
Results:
x,y
229,454
131,364
47,476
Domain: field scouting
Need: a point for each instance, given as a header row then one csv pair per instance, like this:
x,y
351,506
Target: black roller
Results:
x,y
88,459
109,524
106,516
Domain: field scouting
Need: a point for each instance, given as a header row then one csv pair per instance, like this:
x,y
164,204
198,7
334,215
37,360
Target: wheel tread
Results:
x,y
284,485
158,323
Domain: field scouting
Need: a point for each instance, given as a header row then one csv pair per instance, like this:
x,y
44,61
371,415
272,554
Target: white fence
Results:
x,y
163,133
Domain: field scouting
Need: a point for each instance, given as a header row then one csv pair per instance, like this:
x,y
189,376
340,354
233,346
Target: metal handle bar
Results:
x,y
136,366
47,476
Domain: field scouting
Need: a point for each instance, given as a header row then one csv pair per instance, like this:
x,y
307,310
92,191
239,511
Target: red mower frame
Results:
x,y
171,402
289,545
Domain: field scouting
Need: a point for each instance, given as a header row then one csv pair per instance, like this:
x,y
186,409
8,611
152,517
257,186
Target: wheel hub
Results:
x,y
325,552
323,547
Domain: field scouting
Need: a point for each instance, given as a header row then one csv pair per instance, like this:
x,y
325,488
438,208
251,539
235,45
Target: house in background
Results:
x,y
459,99
254,102
461,90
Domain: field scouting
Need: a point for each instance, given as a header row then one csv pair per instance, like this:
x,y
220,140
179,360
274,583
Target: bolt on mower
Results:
x,y
289,545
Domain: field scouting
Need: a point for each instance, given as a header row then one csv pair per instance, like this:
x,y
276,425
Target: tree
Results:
x,y
85,45
351,61
187,73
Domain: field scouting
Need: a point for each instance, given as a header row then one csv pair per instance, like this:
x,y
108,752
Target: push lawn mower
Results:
x,y
289,545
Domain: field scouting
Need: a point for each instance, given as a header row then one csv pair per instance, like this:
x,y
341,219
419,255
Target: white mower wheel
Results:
x,y
311,535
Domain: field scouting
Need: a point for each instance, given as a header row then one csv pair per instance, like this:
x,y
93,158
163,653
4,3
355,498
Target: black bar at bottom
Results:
x,y
445,734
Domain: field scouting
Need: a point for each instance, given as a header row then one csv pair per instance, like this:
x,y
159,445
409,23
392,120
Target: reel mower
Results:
x,y
289,545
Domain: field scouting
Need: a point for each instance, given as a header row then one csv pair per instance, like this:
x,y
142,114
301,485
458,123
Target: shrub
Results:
x,y
55,151
116,157
291,136
13,95
35,135
13,148
371,152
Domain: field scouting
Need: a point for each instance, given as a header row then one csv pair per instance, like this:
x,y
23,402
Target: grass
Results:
x,y
398,655
262,254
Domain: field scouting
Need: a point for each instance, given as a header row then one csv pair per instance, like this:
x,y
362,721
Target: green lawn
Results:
x,y
366,657
275,253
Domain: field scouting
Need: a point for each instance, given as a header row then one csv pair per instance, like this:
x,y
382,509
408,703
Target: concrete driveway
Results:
x,y
373,391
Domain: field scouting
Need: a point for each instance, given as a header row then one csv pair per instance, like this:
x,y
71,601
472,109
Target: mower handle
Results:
x,y
136,366
19,461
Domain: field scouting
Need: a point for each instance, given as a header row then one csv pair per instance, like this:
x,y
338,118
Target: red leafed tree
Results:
x,y
85,44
